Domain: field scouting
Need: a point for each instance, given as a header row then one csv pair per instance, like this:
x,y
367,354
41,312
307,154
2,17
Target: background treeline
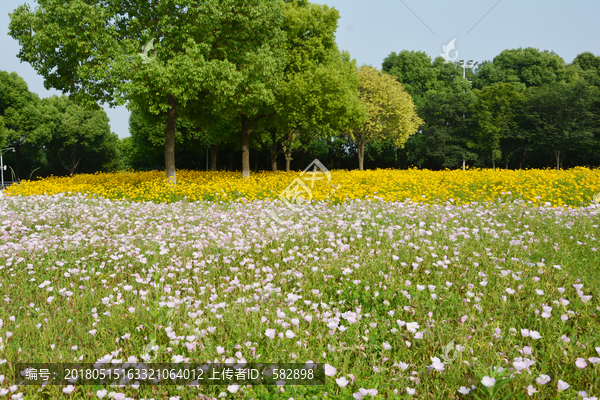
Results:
x,y
525,109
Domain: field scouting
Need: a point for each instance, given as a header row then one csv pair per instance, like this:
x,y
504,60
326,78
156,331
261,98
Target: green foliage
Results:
x,y
563,117
413,70
523,68
447,117
389,108
495,111
229,52
77,132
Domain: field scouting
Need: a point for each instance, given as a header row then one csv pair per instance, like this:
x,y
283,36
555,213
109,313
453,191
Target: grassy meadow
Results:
x,y
403,284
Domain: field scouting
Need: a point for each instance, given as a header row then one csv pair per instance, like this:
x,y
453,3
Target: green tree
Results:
x,y
389,108
589,67
22,116
318,92
191,137
447,115
226,53
77,133
521,67
414,70
563,117
495,111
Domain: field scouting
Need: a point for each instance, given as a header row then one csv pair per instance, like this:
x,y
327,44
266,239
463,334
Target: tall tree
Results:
x,y
414,70
226,51
77,133
389,108
564,117
496,111
318,92
447,115
522,67
589,67
22,116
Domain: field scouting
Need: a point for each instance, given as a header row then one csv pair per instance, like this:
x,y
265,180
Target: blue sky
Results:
x,y
372,29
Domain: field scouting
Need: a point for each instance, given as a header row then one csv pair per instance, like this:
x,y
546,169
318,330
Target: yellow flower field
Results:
x,y
574,188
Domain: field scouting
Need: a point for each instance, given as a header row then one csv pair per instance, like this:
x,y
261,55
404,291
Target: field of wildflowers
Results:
x,y
574,187
467,292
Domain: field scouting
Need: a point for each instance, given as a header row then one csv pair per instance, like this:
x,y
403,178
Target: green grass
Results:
x,y
69,242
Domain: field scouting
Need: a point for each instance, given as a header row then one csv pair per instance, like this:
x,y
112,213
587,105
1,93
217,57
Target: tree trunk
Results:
x,y
274,149
557,154
506,165
245,147
494,163
273,161
287,150
361,156
213,156
170,140
521,160
288,159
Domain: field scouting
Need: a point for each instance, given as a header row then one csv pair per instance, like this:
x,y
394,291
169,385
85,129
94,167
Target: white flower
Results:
x,y
131,309
464,390
101,393
342,382
521,364
531,390
542,379
177,359
386,346
535,335
488,382
410,391
563,385
330,370
233,388
437,364
289,334
270,333
525,332
580,363
68,389
412,327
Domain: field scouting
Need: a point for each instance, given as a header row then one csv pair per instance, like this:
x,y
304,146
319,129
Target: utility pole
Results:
x,y
2,166
464,66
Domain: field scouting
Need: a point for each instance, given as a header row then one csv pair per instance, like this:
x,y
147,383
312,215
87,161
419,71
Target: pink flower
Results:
x,y
270,333
542,379
437,364
330,370
563,385
342,382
